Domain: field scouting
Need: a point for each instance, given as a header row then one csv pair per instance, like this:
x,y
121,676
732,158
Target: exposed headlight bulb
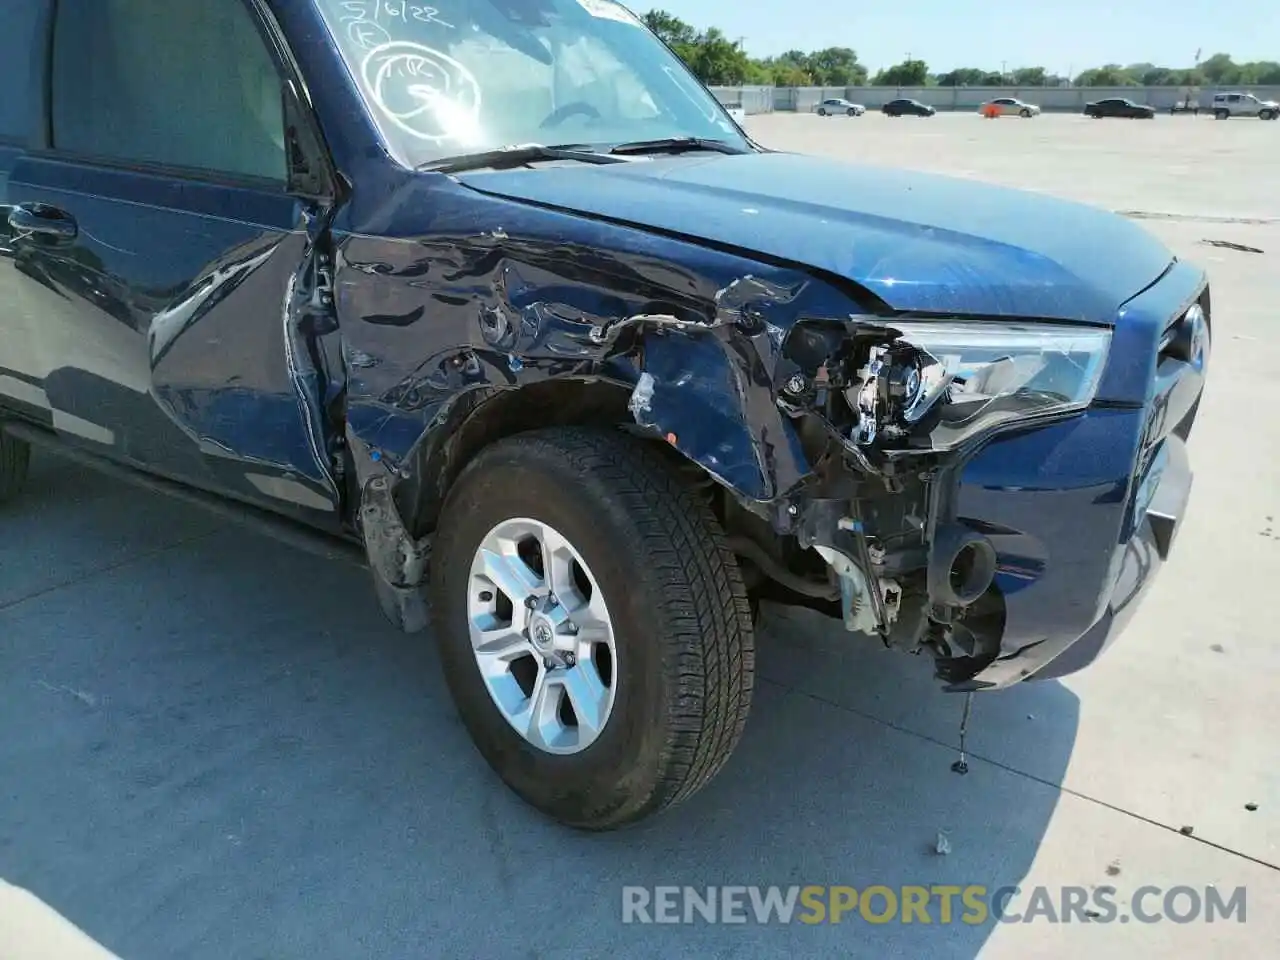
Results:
x,y
866,402
896,387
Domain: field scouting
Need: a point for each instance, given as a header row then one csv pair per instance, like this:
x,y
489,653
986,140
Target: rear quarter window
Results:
x,y
21,19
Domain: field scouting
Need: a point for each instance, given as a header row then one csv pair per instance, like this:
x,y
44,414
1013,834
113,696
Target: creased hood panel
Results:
x,y
920,242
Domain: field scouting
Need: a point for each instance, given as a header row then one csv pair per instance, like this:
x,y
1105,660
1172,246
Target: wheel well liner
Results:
x,y
480,417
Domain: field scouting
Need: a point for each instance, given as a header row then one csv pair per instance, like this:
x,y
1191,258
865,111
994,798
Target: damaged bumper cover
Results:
x,y
999,493
1062,614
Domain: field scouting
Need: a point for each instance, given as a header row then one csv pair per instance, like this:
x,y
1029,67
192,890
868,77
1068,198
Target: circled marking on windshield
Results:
x,y
366,34
422,91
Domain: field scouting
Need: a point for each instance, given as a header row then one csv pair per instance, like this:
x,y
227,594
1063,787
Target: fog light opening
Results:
x,y
961,568
971,572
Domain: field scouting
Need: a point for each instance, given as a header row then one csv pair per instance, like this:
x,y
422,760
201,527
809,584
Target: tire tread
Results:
x,y
704,625
712,641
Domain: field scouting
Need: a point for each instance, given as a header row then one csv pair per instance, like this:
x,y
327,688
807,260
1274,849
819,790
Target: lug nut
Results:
x,y
570,659
530,602
797,384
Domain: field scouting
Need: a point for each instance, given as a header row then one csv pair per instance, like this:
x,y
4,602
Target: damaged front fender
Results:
x,y
711,399
708,391
506,318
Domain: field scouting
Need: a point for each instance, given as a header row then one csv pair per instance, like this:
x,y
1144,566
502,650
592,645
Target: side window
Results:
x,y
1233,98
20,18
188,84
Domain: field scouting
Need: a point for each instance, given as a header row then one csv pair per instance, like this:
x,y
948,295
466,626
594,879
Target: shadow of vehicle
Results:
x,y
220,749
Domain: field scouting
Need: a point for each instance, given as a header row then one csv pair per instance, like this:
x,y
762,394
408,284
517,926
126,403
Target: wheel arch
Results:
x,y
482,417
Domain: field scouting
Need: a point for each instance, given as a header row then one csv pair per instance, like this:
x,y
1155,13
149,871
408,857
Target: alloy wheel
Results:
x,y
542,636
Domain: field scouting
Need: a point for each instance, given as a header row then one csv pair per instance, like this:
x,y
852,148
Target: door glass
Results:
x,y
188,84
19,18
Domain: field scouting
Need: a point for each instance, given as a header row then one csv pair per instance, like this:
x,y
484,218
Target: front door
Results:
x,y
161,260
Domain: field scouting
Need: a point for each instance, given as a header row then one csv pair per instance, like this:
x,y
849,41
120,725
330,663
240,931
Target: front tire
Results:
x,y
15,458
1221,114
1265,115
1025,114
852,112
645,592
822,112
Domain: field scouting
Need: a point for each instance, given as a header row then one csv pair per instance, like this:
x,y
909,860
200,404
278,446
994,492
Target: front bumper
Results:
x,y
1083,513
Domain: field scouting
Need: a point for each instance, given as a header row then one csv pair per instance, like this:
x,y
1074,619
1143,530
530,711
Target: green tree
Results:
x,y
791,69
968,77
909,73
1268,72
718,61
1111,75
836,67
1136,71
1220,69
713,58
670,28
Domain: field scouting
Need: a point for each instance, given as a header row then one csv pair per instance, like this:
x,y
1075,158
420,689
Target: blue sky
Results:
x,y
970,33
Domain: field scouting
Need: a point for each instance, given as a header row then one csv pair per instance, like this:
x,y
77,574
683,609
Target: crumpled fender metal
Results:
x,y
709,395
500,297
397,560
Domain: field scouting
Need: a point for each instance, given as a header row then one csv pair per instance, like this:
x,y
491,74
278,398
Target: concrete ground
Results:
x,y
213,747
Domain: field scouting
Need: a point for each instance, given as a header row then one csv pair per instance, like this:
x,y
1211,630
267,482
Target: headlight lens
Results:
x,y
972,376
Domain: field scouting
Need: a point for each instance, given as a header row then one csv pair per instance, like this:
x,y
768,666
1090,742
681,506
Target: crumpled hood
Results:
x,y
918,241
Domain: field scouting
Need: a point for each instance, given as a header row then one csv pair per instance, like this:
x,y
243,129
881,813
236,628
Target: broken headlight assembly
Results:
x,y
890,389
941,383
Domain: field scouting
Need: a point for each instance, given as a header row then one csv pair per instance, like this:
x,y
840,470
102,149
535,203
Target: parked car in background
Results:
x,y
837,106
1243,105
1119,107
576,414
1009,107
1188,104
905,107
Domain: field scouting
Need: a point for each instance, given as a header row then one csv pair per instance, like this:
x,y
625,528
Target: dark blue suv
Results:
x,y
495,296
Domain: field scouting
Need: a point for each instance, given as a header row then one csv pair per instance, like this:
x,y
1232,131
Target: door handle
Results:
x,y
47,221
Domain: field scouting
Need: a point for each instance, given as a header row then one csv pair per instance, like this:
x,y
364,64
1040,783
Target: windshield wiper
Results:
x,y
677,145
518,156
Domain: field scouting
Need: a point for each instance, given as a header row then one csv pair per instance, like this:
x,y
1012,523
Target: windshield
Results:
x,y
469,75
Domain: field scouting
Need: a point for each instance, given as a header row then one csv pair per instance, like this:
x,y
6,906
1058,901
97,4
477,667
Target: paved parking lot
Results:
x,y
213,747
